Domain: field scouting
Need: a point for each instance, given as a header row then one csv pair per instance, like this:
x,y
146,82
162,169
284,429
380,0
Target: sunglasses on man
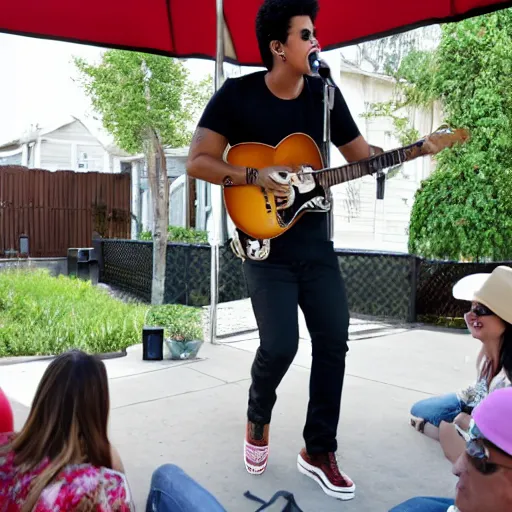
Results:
x,y
307,35
479,454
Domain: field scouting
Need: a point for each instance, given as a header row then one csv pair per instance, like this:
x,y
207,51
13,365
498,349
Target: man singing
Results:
x,y
302,267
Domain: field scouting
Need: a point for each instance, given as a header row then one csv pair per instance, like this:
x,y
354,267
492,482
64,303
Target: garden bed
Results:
x,y
44,315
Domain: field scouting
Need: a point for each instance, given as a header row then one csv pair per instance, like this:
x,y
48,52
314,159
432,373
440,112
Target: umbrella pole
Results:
x,y
217,204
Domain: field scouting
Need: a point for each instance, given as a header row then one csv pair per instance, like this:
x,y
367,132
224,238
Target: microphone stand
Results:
x,y
319,68
326,142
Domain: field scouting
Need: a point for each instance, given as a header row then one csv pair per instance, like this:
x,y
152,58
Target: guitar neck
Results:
x,y
336,175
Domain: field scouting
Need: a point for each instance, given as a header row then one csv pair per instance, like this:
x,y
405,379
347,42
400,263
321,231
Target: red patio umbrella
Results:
x,y
196,28
187,28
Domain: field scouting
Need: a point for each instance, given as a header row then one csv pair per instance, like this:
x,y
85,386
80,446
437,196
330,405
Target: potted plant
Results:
x,y
182,330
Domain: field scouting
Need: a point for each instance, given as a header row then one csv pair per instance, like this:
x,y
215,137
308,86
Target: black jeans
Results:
x,y
276,291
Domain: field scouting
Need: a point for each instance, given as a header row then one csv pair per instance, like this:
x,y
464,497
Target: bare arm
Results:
x,y
452,443
205,163
358,149
117,463
205,159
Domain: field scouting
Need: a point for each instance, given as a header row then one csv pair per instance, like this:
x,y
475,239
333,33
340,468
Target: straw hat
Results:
x,y
492,290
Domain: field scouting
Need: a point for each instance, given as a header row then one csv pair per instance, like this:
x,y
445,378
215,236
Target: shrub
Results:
x,y
180,323
180,235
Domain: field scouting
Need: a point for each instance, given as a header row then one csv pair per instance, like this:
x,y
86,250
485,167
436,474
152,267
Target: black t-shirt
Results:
x,y
244,110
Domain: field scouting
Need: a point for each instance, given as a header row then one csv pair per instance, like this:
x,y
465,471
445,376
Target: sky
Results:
x,y
38,83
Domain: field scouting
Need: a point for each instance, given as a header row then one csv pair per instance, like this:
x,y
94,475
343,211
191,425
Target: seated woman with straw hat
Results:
x,y
490,321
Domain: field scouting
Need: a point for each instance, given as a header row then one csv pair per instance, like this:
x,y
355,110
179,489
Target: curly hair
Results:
x,y
273,22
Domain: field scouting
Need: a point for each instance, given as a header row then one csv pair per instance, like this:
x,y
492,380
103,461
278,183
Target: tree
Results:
x,y
386,54
464,209
146,102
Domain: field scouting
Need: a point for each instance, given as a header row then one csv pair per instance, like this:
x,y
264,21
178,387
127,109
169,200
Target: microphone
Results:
x,y
314,62
319,67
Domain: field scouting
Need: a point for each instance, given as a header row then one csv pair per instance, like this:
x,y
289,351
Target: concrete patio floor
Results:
x,y
193,414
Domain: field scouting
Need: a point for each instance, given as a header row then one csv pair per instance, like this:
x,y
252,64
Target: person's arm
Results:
x,y
117,463
452,443
358,149
205,160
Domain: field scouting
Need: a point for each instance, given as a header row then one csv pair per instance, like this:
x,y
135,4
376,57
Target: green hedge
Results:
x,y
178,234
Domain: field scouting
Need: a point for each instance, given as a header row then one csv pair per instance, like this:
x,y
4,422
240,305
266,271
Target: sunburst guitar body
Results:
x,y
258,214
254,210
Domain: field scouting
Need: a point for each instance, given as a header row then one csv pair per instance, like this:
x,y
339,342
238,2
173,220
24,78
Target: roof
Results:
x,y
346,67
34,132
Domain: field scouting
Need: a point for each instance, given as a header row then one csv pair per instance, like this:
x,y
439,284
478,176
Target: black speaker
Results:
x,y
153,343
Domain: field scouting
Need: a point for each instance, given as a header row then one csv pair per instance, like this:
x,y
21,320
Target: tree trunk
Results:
x,y
159,187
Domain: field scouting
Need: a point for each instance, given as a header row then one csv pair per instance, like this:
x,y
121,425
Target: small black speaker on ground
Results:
x,y
153,343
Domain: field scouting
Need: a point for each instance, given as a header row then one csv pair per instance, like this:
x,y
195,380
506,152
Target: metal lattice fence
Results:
x,y
127,265
379,284
188,275
435,284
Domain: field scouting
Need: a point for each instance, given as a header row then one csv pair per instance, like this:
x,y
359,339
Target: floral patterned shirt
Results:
x,y
474,394
80,486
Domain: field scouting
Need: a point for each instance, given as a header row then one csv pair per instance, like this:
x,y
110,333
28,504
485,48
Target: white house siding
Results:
x,y
95,157
73,147
360,220
56,156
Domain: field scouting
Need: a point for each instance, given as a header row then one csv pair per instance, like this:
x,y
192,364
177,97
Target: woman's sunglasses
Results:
x,y
481,310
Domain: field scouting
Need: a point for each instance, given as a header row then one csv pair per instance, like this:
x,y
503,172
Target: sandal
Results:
x,y
418,424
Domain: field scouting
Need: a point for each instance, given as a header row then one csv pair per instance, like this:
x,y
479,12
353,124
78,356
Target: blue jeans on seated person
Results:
x,y
438,408
172,490
424,505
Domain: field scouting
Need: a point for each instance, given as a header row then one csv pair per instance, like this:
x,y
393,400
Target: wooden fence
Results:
x,y
62,209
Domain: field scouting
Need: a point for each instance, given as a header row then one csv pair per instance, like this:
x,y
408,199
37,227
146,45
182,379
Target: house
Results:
x,y
69,146
361,221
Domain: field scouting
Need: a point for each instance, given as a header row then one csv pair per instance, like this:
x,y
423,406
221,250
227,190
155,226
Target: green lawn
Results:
x,y
44,315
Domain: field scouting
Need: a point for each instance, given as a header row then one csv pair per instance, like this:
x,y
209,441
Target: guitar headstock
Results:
x,y
443,138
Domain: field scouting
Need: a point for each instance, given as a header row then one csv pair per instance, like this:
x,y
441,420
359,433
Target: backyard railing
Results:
x,y
396,286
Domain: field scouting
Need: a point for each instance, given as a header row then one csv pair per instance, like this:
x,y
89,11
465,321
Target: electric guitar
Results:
x,y
260,215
